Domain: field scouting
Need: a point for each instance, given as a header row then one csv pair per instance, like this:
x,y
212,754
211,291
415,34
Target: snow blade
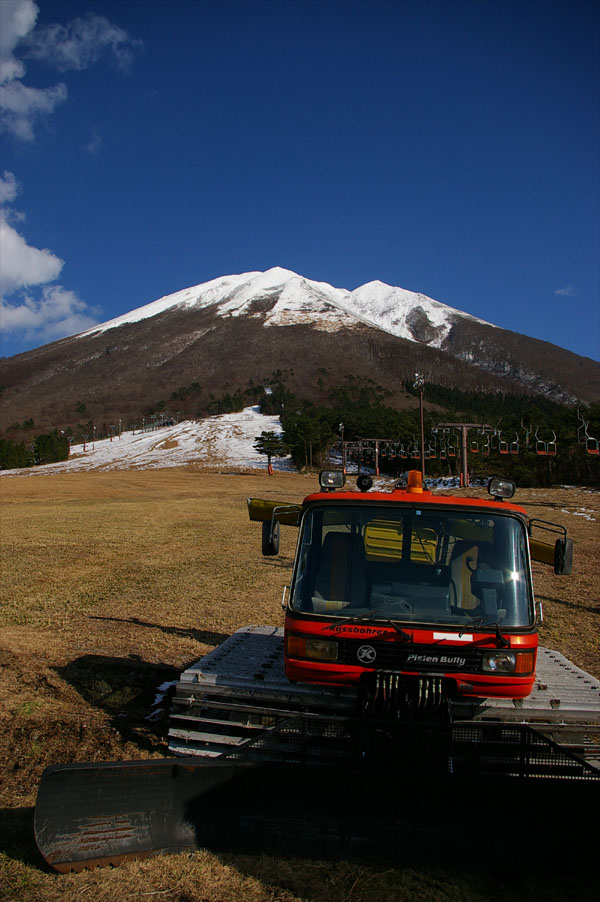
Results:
x,y
93,814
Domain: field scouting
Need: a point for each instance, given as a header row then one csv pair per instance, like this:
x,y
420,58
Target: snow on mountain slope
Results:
x,y
198,295
399,312
226,440
282,297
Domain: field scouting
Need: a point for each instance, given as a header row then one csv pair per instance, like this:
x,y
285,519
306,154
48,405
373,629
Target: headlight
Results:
x,y
318,649
332,479
508,661
501,488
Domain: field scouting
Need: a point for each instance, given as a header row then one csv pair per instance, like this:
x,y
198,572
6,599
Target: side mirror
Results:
x,y
560,554
563,557
270,537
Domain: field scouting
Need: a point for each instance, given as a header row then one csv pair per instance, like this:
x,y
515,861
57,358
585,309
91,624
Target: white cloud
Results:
x,y
9,187
20,105
82,42
58,312
567,292
96,142
55,311
23,265
74,46
17,18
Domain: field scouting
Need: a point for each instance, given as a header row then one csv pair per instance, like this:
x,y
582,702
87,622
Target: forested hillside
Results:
x,y
531,439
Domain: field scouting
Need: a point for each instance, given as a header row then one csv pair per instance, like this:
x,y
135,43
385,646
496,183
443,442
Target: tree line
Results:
x,y
532,439
46,448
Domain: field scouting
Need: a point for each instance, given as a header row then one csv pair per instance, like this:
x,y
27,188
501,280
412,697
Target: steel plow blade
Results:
x,y
93,814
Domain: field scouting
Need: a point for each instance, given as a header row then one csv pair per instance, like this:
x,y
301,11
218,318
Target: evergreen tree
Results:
x,y
271,445
13,455
51,447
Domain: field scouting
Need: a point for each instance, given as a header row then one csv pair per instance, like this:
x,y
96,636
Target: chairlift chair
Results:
x,y
545,448
592,445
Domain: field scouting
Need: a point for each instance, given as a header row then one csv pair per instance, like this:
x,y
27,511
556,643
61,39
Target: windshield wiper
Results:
x,y
500,639
371,615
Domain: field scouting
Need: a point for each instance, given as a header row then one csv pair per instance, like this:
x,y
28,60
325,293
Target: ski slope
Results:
x,y
226,440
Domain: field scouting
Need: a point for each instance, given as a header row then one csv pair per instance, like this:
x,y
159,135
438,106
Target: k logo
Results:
x,y
366,654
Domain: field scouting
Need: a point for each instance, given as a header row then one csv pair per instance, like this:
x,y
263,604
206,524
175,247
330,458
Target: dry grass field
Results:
x,y
111,584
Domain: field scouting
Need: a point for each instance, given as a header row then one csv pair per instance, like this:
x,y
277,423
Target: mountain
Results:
x,y
218,337
283,298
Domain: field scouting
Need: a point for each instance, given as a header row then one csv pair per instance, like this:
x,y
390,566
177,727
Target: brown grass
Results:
x,y
112,583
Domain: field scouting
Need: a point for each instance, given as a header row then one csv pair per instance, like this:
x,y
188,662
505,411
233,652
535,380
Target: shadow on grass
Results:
x,y
126,689
206,637
17,838
591,609
564,507
463,824
284,561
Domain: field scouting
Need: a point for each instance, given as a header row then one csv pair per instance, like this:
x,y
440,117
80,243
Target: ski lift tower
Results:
x,y
464,449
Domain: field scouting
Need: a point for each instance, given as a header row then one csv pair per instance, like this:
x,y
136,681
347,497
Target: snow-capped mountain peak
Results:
x,y
282,297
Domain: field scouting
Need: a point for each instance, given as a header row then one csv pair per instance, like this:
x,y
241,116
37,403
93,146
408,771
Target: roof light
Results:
x,y
501,488
415,482
332,479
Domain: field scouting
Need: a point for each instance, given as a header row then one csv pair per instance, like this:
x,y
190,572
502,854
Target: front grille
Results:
x,y
403,656
387,693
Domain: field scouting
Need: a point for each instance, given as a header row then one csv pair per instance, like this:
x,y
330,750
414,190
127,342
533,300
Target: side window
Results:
x,y
384,541
301,591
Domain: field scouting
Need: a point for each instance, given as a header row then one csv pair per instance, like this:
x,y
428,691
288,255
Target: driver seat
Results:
x,y
340,580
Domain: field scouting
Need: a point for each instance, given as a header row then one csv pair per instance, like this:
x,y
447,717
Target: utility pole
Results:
x,y
341,428
419,385
464,429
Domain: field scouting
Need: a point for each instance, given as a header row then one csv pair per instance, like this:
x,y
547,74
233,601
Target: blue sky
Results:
x,y
449,147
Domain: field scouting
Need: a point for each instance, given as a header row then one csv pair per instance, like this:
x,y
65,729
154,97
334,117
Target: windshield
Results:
x,y
413,565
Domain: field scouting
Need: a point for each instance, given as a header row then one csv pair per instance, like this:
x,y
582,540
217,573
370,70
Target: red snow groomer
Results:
x,y
416,597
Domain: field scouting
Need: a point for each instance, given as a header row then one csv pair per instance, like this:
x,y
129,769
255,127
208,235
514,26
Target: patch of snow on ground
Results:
x,y
582,512
226,440
159,697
